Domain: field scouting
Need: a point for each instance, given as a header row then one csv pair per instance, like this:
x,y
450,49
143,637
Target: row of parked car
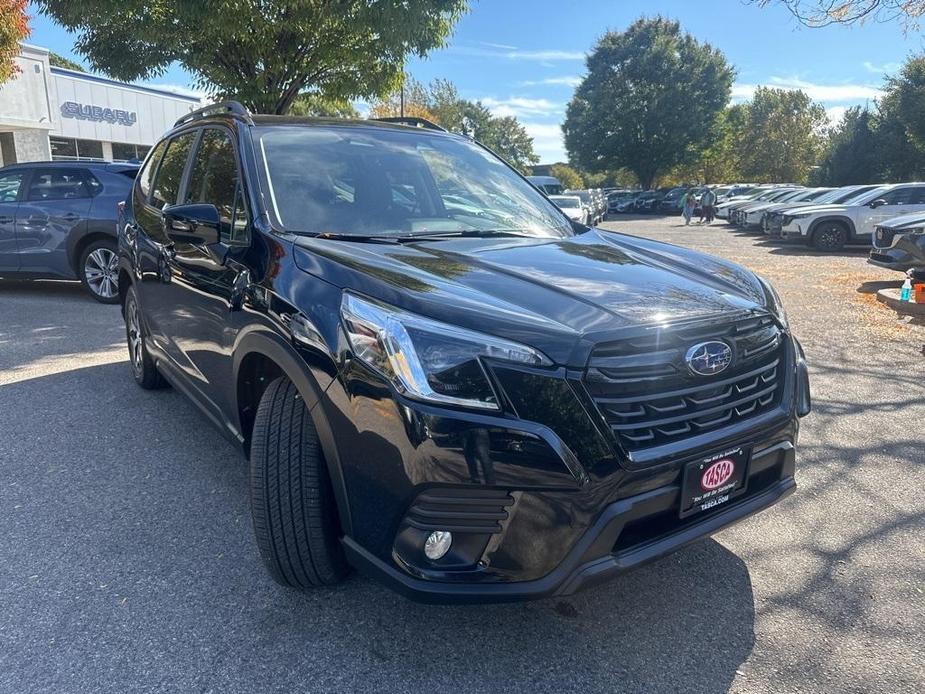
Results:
x,y
889,217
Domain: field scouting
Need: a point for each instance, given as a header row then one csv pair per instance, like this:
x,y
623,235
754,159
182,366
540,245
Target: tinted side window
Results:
x,y
9,186
166,186
58,184
899,196
144,178
214,179
916,195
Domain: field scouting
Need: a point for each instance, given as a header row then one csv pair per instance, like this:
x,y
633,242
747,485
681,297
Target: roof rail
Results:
x,y
233,108
413,121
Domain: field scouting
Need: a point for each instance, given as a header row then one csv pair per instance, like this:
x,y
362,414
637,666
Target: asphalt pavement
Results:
x,y
127,561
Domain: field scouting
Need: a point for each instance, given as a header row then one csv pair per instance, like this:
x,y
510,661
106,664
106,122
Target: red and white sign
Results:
x,y
717,474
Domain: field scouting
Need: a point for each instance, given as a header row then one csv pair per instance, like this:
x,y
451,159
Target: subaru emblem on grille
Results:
x,y
708,358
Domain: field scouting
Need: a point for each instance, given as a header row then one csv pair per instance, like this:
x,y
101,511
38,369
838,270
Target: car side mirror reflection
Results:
x,y
196,224
879,202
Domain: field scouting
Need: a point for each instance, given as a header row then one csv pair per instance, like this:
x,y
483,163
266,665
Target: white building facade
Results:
x,y
52,113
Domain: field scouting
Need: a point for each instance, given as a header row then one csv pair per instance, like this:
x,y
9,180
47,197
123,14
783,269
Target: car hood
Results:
x,y
784,207
906,221
825,209
561,296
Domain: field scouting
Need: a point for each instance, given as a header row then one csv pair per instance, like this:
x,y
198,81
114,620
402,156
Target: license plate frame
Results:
x,y
697,498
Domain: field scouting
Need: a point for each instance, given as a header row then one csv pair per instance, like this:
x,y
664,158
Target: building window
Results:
x,y
69,148
63,148
126,152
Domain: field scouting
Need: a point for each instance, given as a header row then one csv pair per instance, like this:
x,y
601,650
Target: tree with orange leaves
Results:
x,y
14,27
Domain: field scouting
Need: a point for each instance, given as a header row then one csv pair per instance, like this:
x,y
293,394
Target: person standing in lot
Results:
x,y
688,203
707,201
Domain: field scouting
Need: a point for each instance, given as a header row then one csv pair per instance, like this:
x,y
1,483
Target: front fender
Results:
x,y
311,382
844,219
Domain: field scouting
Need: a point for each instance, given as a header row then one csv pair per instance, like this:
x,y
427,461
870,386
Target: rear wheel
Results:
x,y
143,368
830,236
292,502
98,268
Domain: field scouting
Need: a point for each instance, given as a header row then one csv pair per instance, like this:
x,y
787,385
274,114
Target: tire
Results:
x,y
292,502
98,269
830,236
143,368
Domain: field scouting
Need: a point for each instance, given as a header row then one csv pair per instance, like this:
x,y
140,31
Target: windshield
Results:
x,y
835,195
866,196
384,182
566,201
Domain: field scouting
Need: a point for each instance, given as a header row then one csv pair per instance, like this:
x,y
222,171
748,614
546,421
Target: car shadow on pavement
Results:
x,y
127,541
54,321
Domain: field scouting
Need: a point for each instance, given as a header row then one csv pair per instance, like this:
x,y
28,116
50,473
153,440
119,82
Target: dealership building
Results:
x,y
52,113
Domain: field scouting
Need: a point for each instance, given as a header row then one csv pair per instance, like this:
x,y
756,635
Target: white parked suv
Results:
x,y
830,227
571,205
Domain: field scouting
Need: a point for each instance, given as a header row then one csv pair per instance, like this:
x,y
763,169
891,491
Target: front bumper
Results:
x,y
894,259
624,536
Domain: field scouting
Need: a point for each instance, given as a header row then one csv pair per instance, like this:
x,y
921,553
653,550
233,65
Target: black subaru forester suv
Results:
x,y
438,378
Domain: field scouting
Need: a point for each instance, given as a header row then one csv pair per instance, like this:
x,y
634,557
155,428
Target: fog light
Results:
x,y
437,544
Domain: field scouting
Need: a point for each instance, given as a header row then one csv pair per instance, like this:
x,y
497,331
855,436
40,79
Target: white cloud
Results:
x,y
816,92
547,141
566,81
502,46
521,106
835,113
542,55
883,68
181,90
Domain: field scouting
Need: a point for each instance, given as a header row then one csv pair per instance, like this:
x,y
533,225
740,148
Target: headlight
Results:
x,y
426,359
773,301
915,230
800,215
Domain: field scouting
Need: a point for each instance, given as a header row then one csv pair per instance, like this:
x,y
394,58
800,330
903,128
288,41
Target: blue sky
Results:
x,y
524,57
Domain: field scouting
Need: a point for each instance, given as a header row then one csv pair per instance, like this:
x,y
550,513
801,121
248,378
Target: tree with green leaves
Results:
x,y
783,136
568,177
317,106
440,102
56,60
900,132
14,27
264,53
852,153
649,103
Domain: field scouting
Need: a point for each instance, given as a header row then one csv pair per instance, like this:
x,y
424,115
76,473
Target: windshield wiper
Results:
x,y
466,233
357,238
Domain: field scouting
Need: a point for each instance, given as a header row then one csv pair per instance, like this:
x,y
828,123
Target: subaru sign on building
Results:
x,y
52,113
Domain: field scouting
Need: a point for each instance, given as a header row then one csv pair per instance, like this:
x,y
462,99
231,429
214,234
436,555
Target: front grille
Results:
x,y
883,237
648,397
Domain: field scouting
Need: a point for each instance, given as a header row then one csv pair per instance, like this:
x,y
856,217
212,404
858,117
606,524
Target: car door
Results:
x,y
897,201
56,203
157,186
207,284
11,187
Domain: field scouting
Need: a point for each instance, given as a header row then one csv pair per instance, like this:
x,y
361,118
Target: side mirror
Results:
x,y
879,202
197,224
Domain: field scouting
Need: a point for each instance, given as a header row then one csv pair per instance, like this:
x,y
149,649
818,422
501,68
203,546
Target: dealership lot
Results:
x,y
128,558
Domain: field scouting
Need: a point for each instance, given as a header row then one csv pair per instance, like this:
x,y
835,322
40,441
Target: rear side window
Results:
x,y
214,179
58,184
917,195
9,186
166,186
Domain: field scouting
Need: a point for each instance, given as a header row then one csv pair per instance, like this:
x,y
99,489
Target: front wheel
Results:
x,y
98,268
292,502
830,236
